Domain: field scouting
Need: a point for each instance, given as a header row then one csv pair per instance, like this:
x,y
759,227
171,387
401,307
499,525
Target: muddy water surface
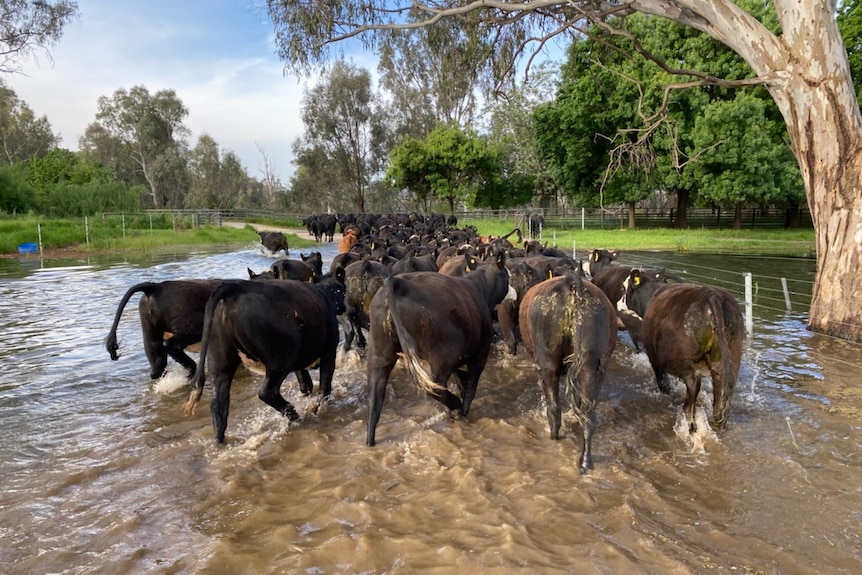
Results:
x,y
101,471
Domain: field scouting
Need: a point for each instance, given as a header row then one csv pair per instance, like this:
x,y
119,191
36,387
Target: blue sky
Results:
x,y
218,55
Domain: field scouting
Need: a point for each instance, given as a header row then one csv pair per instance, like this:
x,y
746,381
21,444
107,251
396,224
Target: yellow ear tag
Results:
x,y
637,280
596,256
550,274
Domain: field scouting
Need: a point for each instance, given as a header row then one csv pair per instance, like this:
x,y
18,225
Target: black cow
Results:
x,y
286,326
362,279
613,281
689,331
599,259
273,241
287,269
522,276
172,317
440,325
568,324
315,260
423,263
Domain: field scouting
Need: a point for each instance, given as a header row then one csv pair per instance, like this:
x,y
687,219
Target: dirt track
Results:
x,y
298,232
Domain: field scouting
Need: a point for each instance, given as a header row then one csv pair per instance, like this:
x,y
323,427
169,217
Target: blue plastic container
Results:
x,y
28,248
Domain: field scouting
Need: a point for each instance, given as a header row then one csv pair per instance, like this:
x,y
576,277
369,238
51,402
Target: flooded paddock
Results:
x,y
102,472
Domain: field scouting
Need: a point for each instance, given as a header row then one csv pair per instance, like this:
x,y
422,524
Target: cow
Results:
x,y
522,276
612,280
362,279
459,266
273,241
285,326
315,260
439,325
424,263
172,317
568,325
287,269
599,259
689,331
347,241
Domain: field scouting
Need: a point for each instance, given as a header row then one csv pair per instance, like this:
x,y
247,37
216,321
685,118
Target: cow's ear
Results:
x,y
251,274
501,259
340,274
615,254
595,255
636,277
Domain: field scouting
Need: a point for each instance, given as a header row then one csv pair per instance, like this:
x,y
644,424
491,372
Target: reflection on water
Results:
x,y
102,471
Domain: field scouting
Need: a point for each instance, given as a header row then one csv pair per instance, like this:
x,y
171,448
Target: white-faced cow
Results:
x,y
172,318
439,325
599,259
285,326
568,325
689,331
273,241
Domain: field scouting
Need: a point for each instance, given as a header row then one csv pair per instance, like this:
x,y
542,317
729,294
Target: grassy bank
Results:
x,y
116,234
797,243
146,234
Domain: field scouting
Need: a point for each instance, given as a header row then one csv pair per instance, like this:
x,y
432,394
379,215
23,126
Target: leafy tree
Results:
x,y
66,183
29,25
850,23
431,77
22,134
452,165
147,130
16,196
345,121
217,179
741,162
512,130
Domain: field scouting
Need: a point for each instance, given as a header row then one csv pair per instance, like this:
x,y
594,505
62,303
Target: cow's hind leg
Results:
x,y
551,389
220,405
586,396
378,377
692,386
304,379
175,347
270,394
157,355
469,382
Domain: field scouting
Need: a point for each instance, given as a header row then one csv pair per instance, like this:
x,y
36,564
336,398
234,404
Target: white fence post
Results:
x,y
749,315
786,294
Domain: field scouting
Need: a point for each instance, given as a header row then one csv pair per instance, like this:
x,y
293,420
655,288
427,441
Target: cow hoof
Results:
x,y
692,428
290,413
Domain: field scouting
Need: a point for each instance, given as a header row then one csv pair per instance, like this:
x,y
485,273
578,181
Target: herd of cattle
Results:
x,y
435,296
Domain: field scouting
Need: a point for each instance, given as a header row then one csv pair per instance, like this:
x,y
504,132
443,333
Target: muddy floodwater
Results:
x,y
102,472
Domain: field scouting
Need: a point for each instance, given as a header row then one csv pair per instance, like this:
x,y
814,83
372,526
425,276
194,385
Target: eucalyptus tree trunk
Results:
x,y
807,73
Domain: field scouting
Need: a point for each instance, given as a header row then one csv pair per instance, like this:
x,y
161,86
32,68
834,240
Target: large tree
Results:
x,y
345,121
27,26
22,134
148,131
805,69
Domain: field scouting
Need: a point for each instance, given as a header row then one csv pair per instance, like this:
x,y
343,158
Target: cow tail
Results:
x,y
573,325
409,347
111,341
726,325
200,372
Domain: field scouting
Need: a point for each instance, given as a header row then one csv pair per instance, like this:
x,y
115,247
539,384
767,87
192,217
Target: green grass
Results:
x,y
133,233
123,234
799,243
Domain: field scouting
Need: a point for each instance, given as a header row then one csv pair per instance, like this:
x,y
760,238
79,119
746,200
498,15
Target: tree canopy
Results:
x,y
28,26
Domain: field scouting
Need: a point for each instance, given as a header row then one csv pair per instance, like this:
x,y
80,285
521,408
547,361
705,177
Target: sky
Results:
x,y
217,55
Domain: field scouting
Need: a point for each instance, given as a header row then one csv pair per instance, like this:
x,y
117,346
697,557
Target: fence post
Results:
x,y
39,233
749,319
124,226
574,250
87,229
582,219
151,224
786,294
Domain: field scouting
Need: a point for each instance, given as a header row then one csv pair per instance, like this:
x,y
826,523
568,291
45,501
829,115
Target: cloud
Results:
x,y
218,56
